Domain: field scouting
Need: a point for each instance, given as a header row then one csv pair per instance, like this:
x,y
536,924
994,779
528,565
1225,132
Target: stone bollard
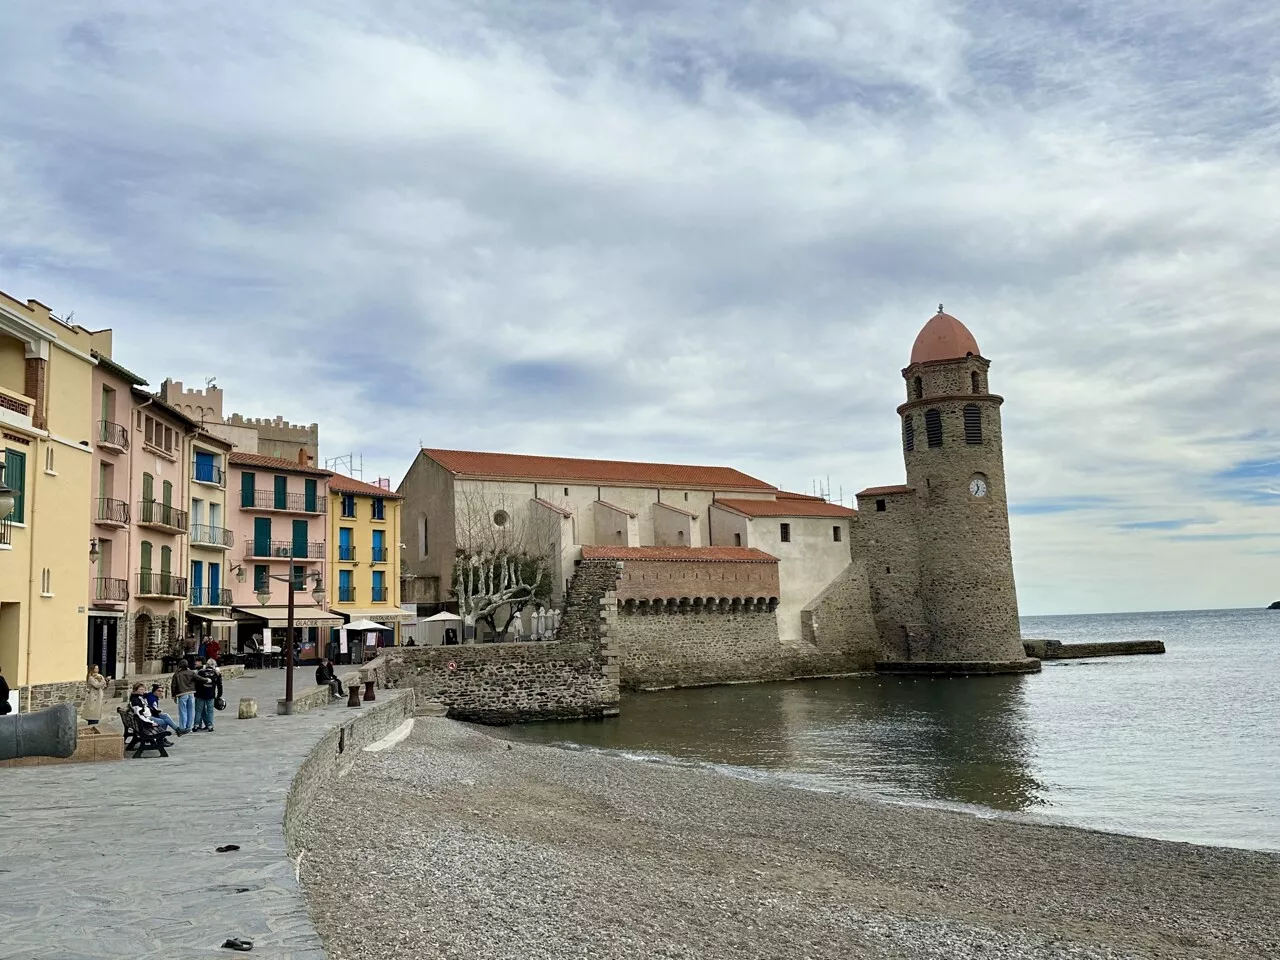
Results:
x,y
368,691
353,695
248,708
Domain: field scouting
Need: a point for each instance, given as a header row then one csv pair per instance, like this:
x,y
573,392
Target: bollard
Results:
x,y
353,695
48,733
248,708
368,691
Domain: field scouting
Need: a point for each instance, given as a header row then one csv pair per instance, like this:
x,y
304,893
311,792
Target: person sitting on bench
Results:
x,y
158,716
148,723
326,677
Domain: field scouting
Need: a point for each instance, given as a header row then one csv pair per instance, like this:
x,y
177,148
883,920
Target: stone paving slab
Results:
x,y
110,861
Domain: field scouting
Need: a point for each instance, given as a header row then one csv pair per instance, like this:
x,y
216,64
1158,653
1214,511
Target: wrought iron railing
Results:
x,y
379,594
379,554
113,434
255,549
346,594
6,532
110,589
212,536
346,552
159,514
152,584
202,472
290,502
112,511
204,597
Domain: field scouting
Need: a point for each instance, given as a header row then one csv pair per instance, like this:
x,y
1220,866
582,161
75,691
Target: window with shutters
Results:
x,y
933,427
909,432
15,478
972,423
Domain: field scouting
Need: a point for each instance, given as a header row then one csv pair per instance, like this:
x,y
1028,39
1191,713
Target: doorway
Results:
x,y
103,632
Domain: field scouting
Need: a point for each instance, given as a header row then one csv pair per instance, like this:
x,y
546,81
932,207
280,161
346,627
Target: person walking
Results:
x,y
208,688
95,694
183,688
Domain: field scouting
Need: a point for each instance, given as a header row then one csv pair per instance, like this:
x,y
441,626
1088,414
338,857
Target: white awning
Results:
x,y
212,619
442,617
362,625
278,616
393,615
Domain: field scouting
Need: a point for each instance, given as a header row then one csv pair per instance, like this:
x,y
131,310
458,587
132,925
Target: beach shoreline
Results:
x,y
460,843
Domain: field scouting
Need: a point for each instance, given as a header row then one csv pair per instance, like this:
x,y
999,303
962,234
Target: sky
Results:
x,y
703,231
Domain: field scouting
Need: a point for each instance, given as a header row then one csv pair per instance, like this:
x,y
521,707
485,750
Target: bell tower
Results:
x,y
951,442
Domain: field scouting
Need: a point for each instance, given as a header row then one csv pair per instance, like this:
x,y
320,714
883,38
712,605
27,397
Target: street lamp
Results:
x,y
264,597
7,498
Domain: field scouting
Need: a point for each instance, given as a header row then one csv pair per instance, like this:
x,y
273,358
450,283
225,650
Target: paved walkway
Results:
x,y
102,861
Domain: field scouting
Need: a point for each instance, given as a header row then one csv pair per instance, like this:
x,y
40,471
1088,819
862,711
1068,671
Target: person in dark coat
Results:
x,y
4,696
326,677
208,689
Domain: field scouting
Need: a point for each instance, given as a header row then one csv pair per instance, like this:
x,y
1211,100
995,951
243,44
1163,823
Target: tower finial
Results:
x,y
939,308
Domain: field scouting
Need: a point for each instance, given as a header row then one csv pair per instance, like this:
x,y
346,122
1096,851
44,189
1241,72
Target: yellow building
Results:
x,y
364,559
46,382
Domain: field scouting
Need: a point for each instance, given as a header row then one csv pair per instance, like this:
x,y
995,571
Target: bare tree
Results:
x,y
503,563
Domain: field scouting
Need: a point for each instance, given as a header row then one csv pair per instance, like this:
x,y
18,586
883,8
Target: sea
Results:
x,y
1181,746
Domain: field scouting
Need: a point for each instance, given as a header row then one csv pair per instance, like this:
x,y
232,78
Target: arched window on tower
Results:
x,y
973,423
917,388
909,432
976,381
933,427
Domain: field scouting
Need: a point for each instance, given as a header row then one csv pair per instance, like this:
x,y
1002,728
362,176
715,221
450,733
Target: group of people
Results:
x,y
197,692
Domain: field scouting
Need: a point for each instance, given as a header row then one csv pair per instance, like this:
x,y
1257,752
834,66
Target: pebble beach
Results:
x,y
457,843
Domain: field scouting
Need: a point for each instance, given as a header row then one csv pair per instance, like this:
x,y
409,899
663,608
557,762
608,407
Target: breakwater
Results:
x,y
1054,650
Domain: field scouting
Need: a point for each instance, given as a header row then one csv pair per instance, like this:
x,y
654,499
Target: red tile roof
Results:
x,y
682,554
614,506
340,484
785,508
674,509
622,473
880,491
788,495
240,459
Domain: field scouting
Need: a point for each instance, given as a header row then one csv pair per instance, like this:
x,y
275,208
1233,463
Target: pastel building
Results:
x,y
364,553
46,379
211,543
279,534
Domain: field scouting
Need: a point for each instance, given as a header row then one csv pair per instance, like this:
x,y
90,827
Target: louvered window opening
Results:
x,y
973,423
909,432
933,427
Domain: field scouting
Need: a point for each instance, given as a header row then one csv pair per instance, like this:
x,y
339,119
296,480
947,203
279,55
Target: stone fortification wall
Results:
x,y
576,675
887,541
659,579
279,438
336,751
657,648
838,630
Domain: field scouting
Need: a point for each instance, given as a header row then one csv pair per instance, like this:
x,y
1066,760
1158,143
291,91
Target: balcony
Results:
x,y
110,590
160,586
379,595
113,437
208,473
6,533
217,538
15,409
346,553
282,550
111,513
162,516
379,555
346,594
202,597
285,503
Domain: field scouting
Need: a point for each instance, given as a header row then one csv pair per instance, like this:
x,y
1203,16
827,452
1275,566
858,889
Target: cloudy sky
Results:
x,y
702,231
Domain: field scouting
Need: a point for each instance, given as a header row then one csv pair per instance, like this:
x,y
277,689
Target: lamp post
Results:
x,y
264,597
7,499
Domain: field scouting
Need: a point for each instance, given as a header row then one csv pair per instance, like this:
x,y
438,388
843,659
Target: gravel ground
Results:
x,y
460,844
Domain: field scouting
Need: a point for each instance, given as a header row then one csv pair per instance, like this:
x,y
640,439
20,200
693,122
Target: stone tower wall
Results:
x,y
887,541
202,406
966,567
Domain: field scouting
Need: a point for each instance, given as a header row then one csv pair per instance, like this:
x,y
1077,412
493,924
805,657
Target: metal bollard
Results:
x,y
368,691
353,695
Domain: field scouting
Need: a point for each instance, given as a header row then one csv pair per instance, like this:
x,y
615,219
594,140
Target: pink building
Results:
x,y
277,515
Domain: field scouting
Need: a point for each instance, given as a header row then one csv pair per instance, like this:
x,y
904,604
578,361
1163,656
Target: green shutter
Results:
x,y
15,478
282,493
166,560
146,555
166,495
300,538
247,485
309,495
148,488
262,536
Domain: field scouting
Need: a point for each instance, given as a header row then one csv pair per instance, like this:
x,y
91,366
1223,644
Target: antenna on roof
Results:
x,y
209,382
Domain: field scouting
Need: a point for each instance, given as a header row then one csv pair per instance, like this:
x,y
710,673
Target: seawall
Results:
x,y
1053,650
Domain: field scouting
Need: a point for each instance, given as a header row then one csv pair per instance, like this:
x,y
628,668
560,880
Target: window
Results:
x,y
933,427
15,477
909,432
166,493
168,439
379,546
835,534
784,532
737,539
686,496
348,505
166,559
423,543
248,482
976,382
309,491
150,435
379,586
48,460
379,509
566,491
46,582
972,423
346,549
260,580
917,388
281,500
346,592
299,578
881,506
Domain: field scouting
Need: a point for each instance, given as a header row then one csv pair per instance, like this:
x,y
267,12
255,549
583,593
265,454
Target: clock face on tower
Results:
x,y
978,486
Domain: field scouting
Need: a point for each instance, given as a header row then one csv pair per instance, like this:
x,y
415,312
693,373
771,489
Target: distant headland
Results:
x,y
1274,606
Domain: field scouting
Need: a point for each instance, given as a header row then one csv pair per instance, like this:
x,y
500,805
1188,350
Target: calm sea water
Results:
x,y
1184,746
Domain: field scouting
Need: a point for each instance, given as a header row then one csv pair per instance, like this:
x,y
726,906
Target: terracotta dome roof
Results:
x,y
943,338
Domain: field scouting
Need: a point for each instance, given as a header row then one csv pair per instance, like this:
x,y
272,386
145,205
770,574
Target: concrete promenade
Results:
x,y
102,861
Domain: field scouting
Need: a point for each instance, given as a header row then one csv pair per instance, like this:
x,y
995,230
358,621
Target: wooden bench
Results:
x,y
137,735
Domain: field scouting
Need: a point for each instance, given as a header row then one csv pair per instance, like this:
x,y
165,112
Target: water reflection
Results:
x,y
940,740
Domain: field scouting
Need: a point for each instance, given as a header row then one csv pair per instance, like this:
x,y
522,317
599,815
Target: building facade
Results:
x,y
939,556
364,553
46,379
269,437
211,543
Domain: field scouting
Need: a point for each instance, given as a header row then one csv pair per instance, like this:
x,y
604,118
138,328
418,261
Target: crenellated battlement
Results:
x,y
304,433
202,405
